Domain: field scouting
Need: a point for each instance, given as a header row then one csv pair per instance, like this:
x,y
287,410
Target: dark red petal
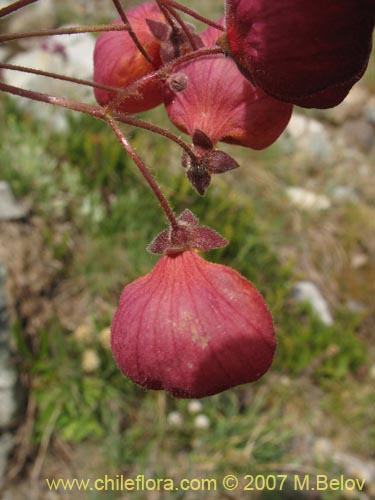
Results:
x,y
118,62
220,162
206,238
305,52
225,106
192,328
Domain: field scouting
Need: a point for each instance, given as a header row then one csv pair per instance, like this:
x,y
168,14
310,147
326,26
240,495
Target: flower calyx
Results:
x,y
206,162
174,42
188,235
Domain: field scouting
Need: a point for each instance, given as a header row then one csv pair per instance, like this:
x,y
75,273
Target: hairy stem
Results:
x,y
132,34
193,14
57,76
61,102
182,24
9,9
144,171
130,120
64,31
95,111
159,74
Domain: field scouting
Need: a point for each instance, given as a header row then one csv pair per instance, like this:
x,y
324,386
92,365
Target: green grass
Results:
x,y
84,180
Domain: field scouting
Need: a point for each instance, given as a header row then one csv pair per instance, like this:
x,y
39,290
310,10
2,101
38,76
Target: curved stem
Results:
x,y
193,14
184,28
160,74
48,74
144,171
95,111
99,112
132,34
61,102
64,31
130,120
9,9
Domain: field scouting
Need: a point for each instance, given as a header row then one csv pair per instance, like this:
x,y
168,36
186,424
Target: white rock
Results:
x,y
370,111
305,291
307,200
6,445
308,136
83,334
8,380
175,419
10,209
194,406
37,16
352,465
352,106
90,361
343,194
70,55
201,422
105,337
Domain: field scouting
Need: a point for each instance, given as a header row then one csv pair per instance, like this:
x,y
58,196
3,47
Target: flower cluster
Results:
x,y
191,327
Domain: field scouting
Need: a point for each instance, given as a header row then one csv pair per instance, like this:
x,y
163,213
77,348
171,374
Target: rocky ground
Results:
x,y
318,184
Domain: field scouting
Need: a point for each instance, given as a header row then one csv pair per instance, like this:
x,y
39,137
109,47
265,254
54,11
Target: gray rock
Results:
x,y
370,111
71,55
10,209
3,309
344,194
352,107
307,200
359,134
305,291
352,464
6,446
308,136
8,384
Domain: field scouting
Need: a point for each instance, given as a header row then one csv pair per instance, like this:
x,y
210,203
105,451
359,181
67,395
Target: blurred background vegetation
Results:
x,y
92,217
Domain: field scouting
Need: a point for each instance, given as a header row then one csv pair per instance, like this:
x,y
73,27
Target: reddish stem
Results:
x,y
132,34
48,74
193,14
64,31
130,120
61,102
183,26
99,112
160,74
144,171
96,111
15,6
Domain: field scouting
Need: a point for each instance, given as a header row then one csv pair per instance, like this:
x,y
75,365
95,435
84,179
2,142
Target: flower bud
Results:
x,y
118,62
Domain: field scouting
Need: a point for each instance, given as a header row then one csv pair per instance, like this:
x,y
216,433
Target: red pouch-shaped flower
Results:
x,y
118,62
309,53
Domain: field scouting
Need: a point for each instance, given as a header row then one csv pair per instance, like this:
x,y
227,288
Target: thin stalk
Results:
x,y
183,26
132,34
61,102
166,14
99,112
64,31
193,14
160,74
95,111
48,74
9,9
130,120
144,171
